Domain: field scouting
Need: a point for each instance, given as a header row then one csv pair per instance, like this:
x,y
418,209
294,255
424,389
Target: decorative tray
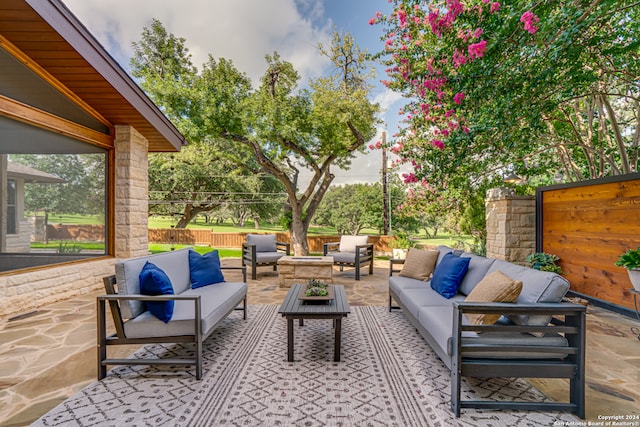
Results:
x,y
303,294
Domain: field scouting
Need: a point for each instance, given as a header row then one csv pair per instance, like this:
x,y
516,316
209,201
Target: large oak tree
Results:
x,y
281,127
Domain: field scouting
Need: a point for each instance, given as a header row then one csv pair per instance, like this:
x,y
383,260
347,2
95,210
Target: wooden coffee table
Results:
x,y
294,308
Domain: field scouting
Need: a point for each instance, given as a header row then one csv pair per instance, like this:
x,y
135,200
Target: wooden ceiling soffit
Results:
x,y
24,113
160,131
46,76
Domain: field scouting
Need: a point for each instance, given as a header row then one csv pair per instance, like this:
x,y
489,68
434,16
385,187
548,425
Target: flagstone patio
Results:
x,y
48,355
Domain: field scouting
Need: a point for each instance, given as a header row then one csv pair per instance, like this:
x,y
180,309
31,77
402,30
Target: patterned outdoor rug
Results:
x,y
388,376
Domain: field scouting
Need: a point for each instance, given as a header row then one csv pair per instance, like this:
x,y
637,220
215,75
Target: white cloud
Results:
x,y
241,30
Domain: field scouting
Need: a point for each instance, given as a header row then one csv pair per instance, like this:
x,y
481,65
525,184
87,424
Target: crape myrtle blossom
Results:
x,y
428,43
530,20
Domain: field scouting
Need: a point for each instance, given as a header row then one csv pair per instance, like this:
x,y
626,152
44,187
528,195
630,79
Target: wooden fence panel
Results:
x,y
235,240
588,225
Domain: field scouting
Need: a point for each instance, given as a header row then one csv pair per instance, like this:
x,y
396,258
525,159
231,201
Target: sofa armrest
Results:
x,y
393,263
364,252
330,247
243,268
572,327
284,247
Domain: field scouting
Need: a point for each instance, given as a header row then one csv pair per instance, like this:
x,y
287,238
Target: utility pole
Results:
x,y
385,185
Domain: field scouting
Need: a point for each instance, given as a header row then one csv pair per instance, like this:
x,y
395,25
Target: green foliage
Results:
x,y
278,128
544,262
83,189
402,240
68,248
561,96
351,207
316,288
630,259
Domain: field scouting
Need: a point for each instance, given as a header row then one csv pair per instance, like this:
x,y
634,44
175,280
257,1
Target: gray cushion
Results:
x,y
516,339
217,300
478,268
263,242
438,320
537,287
398,283
175,264
269,257
348,257
414,299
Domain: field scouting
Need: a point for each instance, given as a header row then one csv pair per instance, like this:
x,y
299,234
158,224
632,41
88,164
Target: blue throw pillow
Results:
x,y
204,269
154,281
448,274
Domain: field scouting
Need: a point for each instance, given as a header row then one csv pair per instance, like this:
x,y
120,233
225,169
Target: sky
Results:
x,y
245,31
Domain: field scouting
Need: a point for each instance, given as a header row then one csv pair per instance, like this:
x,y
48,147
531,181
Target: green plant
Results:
x,y
630,259
66,248
316,288
402,241
544,262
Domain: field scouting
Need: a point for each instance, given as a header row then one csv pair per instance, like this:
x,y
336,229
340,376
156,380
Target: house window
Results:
x,y
56,192
12,227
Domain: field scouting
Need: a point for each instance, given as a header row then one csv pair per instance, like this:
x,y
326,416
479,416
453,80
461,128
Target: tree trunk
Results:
x,y
299,238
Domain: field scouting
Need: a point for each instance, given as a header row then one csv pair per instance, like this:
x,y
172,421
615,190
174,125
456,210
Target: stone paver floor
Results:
x,y
48,355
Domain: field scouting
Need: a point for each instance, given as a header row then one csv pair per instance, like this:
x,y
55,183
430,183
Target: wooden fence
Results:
x,y
235,240
588,225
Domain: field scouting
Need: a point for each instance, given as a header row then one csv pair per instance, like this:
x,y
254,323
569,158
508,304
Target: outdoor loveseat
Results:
x,y
537,336
199,300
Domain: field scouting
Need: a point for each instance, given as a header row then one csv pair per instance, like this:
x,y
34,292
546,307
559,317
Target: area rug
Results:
x,y
387,376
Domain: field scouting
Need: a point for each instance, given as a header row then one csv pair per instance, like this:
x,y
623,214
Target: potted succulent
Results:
x,y
544,262
400,244
631,261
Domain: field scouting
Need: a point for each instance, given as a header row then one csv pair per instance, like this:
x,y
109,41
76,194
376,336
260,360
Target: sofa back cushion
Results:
x,y
478,269
419,264
349,243
263,242
175,264
537,287
448,274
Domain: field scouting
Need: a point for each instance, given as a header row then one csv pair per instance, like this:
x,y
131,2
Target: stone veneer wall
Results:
x,y
24,292
511,225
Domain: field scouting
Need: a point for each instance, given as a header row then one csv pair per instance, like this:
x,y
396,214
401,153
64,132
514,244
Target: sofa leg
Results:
x,y
244,308
357,272
455,391
254,272
199,358
371,267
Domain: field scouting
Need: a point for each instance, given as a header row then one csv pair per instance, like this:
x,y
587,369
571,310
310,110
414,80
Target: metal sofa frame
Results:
x,y
568,319
119,338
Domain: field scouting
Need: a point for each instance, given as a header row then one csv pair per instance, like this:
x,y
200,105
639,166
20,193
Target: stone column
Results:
x,y
131,193
511,225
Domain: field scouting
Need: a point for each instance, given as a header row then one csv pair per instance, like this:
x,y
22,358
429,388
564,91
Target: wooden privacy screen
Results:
x,y
588,225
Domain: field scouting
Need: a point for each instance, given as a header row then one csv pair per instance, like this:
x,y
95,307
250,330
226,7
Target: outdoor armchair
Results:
x,y
352,251
263,250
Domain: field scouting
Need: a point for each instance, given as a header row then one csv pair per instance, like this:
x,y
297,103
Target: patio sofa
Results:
x,y
200,299
537,336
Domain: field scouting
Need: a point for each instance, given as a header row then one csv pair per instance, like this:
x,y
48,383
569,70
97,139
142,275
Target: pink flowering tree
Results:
x,y
543,87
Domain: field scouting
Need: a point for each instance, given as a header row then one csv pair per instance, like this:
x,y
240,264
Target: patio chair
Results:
x,y
263,250
351,251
